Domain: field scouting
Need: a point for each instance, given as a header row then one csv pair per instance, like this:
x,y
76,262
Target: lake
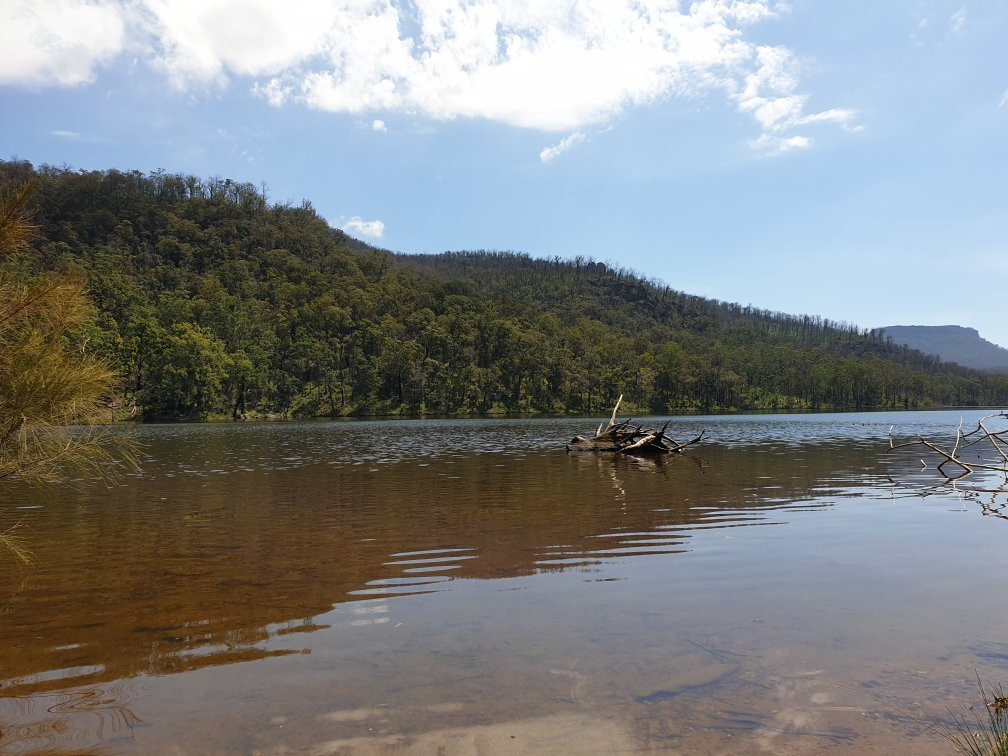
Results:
x,y
786,586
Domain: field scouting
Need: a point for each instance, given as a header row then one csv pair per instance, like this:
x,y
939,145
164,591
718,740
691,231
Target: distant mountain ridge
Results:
x,y
952,343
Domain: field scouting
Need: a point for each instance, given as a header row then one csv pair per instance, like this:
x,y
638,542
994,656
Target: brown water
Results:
x,y
469,586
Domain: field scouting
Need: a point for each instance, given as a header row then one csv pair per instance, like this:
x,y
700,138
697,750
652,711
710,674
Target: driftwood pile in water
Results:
x,y
622,438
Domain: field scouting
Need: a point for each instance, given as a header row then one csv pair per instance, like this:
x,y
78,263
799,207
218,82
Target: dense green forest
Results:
x,y
213,301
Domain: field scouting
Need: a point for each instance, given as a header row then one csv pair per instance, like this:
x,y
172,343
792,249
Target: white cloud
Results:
x,y
771,144
833,115
374,229
957,21
556,67
379,125
202,40
1004,99
768,94
794,143
76,136
553,67
57,42
565,144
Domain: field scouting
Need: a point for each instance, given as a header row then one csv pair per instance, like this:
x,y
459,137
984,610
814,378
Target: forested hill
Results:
x,y
214,301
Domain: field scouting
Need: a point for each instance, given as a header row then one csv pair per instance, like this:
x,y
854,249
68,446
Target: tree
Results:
x,y
313,322
48,380
192,367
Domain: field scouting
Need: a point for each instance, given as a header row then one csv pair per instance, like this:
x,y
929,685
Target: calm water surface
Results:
x,y
385,587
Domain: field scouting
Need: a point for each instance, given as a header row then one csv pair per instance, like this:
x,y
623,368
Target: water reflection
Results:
x,y
258,543
204,570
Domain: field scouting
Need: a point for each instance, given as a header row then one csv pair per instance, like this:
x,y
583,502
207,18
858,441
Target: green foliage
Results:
x,y
987,735
214,302
49,378
188,370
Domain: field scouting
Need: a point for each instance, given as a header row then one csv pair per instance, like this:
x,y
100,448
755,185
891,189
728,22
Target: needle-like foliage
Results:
x,y
982,735
47,383
16,225
51,390
16,544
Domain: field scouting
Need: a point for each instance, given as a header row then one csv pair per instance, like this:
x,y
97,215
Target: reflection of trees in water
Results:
x,y
223,567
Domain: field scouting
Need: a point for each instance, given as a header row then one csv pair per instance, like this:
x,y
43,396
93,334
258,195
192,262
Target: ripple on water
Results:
x,y
425,563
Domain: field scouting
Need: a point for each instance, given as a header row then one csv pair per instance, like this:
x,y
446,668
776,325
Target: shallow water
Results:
x,y
785,586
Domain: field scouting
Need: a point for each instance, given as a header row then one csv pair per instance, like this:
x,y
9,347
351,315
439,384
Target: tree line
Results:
x,y
213,301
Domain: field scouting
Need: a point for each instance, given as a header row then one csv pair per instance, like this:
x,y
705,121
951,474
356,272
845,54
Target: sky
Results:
x,y
848,160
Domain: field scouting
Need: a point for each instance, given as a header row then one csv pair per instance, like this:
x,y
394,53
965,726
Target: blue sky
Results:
x,y
842,159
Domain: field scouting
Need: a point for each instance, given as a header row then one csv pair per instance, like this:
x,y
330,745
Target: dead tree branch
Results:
x,y
978,436
988,446
622,438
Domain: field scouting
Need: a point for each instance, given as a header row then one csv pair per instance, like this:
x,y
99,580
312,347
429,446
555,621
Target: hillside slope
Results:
x,y
213,301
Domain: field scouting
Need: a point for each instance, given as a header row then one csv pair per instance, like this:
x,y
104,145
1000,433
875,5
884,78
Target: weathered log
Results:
x,y
612,420
610,440
677,449
650,443
610,436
